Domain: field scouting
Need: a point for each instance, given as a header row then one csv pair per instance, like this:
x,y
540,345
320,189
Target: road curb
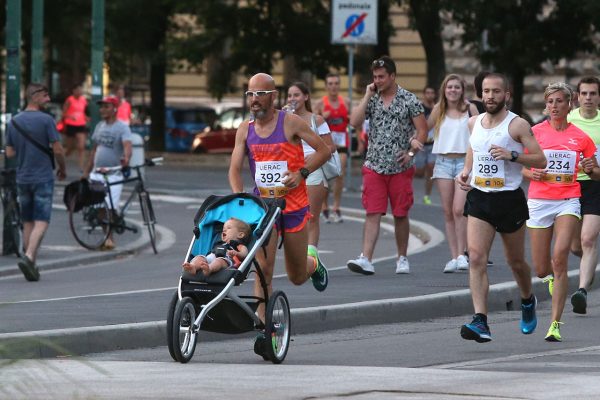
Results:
x,y
78,341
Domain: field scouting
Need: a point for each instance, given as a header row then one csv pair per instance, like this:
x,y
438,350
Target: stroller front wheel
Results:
x,y
183,336
278,327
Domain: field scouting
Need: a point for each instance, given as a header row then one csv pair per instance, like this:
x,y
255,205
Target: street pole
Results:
x,y
13,94
37,42
351,130
97,58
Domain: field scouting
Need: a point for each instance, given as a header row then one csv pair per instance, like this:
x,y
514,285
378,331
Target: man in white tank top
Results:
x,y
496,203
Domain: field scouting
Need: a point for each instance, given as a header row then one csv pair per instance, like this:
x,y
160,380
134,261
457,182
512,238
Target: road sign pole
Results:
x,y
37,42
351,131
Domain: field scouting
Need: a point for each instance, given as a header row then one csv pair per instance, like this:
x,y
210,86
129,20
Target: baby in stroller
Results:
x,y
226,253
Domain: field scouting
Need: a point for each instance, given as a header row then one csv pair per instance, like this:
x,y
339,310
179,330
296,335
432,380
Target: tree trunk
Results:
x,y
158,71
426,16
517,78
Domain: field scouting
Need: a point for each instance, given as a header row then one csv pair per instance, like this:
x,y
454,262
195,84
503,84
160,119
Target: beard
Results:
x,y
260,113
494,108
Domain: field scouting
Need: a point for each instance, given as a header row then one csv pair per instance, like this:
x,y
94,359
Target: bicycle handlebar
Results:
x,y
149,162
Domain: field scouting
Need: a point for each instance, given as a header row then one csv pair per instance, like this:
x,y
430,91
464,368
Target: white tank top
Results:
x,y
487,174
453,136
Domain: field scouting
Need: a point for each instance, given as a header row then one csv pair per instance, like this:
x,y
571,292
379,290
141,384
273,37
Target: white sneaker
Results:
x,y
451,266
361,265
462,263
402,266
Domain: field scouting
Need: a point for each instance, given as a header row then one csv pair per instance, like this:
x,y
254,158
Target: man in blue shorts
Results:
x,y
35,177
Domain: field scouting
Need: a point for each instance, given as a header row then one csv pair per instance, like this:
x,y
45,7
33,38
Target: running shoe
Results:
x,y
528,318
319,278
260,343
579,302
337,217
28,268
361,265
489,262
462,263
426,200
477,330
325,214
550,281
402,265
553,334
451,266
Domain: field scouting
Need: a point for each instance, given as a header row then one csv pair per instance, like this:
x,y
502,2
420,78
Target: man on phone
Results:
x,y
394,114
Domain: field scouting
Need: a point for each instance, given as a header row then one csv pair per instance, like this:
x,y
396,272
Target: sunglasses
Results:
x,y
258,93
378,63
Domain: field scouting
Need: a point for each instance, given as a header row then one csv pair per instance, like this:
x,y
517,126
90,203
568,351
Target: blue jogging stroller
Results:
x,y
209,303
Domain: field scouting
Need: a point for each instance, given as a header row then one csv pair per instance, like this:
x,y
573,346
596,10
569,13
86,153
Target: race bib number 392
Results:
x,y
268,178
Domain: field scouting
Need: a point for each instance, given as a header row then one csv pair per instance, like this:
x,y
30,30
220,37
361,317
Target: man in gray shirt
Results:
x,y
111,148
35,176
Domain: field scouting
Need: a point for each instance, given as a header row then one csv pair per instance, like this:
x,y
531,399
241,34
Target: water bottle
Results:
x,y
290,107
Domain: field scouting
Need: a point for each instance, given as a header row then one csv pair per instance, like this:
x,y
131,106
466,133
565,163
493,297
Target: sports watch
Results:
x,y
304,172
514,155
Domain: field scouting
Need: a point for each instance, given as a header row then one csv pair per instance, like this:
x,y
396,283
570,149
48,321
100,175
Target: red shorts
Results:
x,y
378,188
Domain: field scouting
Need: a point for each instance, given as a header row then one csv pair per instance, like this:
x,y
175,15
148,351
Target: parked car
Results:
x,y
220,137
182,122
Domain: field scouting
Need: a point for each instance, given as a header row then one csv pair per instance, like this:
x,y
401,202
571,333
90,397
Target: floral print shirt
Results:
x,y
390,129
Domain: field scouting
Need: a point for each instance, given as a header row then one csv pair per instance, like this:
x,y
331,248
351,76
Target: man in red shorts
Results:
x,y
394,114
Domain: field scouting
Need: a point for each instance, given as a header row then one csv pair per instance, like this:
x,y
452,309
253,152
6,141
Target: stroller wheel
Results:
x,y
170,316
277,329
183,336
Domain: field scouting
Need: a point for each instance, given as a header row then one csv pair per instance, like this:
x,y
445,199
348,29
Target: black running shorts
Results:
x,y
590,197
506,211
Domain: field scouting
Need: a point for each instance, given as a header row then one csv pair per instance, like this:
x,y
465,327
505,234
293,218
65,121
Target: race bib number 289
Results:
x,y
269,176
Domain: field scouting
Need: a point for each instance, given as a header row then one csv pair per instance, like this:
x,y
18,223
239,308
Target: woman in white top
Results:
x,y
298,101
449,120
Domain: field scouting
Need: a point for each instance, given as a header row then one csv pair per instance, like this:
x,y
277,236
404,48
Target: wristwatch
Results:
x,y
304,172
411,153
514,155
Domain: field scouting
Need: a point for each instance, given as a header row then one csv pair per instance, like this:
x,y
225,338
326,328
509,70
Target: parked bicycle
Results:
x,y
92,224
13,225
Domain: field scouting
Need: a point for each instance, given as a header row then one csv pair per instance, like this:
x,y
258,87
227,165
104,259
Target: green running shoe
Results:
x,y
550,281
319,278
553,334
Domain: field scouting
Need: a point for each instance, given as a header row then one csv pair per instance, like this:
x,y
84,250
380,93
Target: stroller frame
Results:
x,y
232,313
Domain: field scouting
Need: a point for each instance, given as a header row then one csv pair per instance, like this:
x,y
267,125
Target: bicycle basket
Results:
x,y
85,194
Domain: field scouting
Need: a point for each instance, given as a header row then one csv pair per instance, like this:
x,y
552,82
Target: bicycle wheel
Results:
x,y
91,225
148,215
16,227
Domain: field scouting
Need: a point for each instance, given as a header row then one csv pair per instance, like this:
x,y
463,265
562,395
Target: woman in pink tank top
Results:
x,y
75,120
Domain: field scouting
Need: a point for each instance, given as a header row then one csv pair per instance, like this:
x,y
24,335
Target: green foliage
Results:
x,y
250,36
523,34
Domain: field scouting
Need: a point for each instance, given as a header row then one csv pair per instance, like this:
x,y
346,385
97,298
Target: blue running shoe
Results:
x,y
477,330
528,318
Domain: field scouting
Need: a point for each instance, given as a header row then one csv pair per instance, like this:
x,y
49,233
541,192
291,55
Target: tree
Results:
x,y
425,18
521,35
250,36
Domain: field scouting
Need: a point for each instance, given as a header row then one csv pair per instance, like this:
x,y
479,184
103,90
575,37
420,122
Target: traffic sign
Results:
x,y
354,22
